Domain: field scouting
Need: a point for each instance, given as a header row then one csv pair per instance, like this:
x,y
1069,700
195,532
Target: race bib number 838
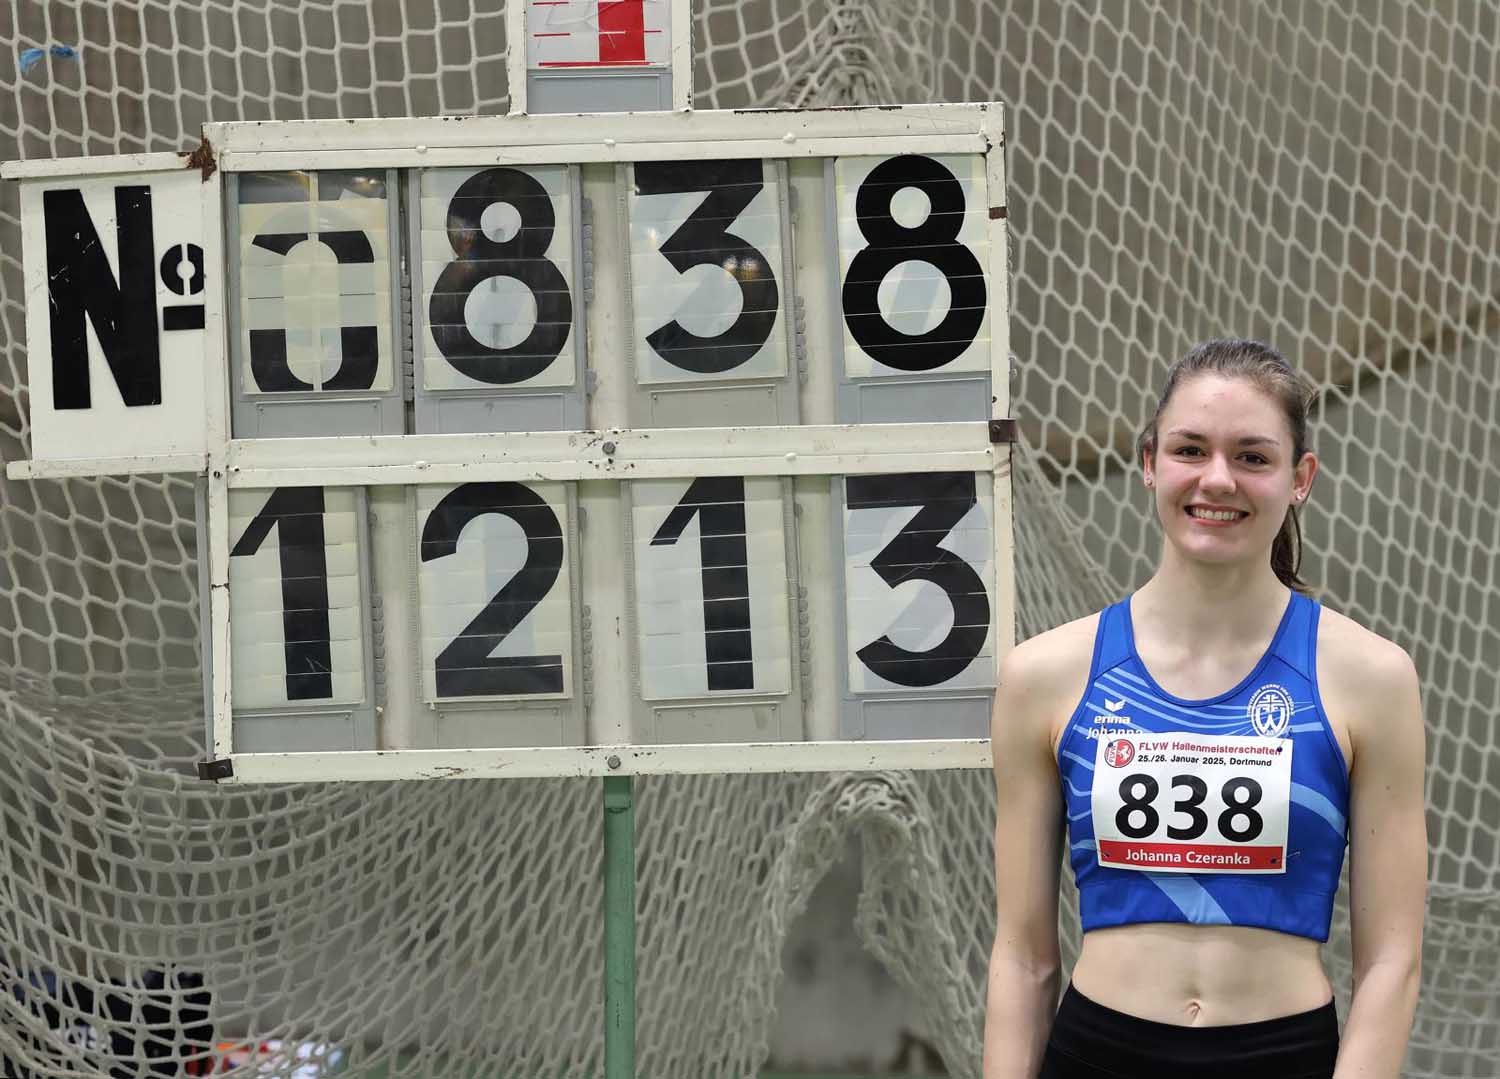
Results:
x,y
1188,803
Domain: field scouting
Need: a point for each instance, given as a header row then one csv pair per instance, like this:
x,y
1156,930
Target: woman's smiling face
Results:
x,y
1222,469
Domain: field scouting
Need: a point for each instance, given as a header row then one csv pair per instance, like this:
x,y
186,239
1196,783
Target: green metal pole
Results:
x,y
619,928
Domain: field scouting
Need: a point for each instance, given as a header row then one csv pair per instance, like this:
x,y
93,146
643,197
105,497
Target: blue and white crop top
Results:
x,y
1226,811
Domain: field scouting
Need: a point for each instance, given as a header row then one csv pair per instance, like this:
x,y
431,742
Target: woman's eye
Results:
x,y
1255,458
1187,451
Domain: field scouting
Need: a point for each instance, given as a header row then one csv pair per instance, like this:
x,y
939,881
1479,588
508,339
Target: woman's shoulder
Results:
x,y
1352,652
1054,652
1360,673
1045,676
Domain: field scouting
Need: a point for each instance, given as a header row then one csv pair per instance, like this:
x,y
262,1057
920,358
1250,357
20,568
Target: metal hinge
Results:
x,y
804,644
799,338
586,232
408,344
217,769
1004,431
586,635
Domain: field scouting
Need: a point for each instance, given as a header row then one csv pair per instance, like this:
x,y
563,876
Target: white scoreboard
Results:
x,y
553,445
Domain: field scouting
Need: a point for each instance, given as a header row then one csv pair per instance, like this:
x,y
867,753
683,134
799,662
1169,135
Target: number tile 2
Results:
x,y
496,595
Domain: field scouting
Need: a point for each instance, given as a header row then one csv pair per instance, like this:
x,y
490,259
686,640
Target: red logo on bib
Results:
x,y
1119,753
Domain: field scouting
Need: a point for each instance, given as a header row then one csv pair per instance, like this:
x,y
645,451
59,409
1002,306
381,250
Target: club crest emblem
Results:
x,y
1270,711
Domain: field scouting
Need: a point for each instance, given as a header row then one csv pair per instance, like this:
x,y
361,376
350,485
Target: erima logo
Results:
x,y
1113,708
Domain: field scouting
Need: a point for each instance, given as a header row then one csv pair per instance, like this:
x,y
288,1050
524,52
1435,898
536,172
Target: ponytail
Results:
x,y
1286,554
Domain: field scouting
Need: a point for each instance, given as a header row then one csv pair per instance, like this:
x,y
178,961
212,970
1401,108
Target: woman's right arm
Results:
x,y
1025,968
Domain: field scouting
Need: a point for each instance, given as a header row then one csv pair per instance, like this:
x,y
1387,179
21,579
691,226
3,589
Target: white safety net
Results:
x,y
1322,174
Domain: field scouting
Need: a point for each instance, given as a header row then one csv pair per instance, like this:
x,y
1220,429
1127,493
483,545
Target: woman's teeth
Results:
x,y
1215,515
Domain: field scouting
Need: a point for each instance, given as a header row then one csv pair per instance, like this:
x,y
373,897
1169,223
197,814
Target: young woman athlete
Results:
x,y
1202,751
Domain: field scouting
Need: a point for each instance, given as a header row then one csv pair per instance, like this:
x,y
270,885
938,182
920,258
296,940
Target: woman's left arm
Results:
x,y
1387,862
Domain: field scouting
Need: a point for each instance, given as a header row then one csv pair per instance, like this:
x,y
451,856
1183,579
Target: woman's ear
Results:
x,y
1148,467
1302,477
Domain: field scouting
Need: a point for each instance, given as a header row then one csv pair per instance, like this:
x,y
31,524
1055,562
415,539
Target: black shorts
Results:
x,y
1090,1041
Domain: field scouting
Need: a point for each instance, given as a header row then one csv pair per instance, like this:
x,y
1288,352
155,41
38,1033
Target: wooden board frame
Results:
x,y
812,450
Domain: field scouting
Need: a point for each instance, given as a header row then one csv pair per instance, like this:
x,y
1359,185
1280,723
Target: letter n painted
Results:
x,y
82,286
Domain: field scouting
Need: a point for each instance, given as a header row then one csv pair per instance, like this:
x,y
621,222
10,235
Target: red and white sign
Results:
x,y
598,33
1177,802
